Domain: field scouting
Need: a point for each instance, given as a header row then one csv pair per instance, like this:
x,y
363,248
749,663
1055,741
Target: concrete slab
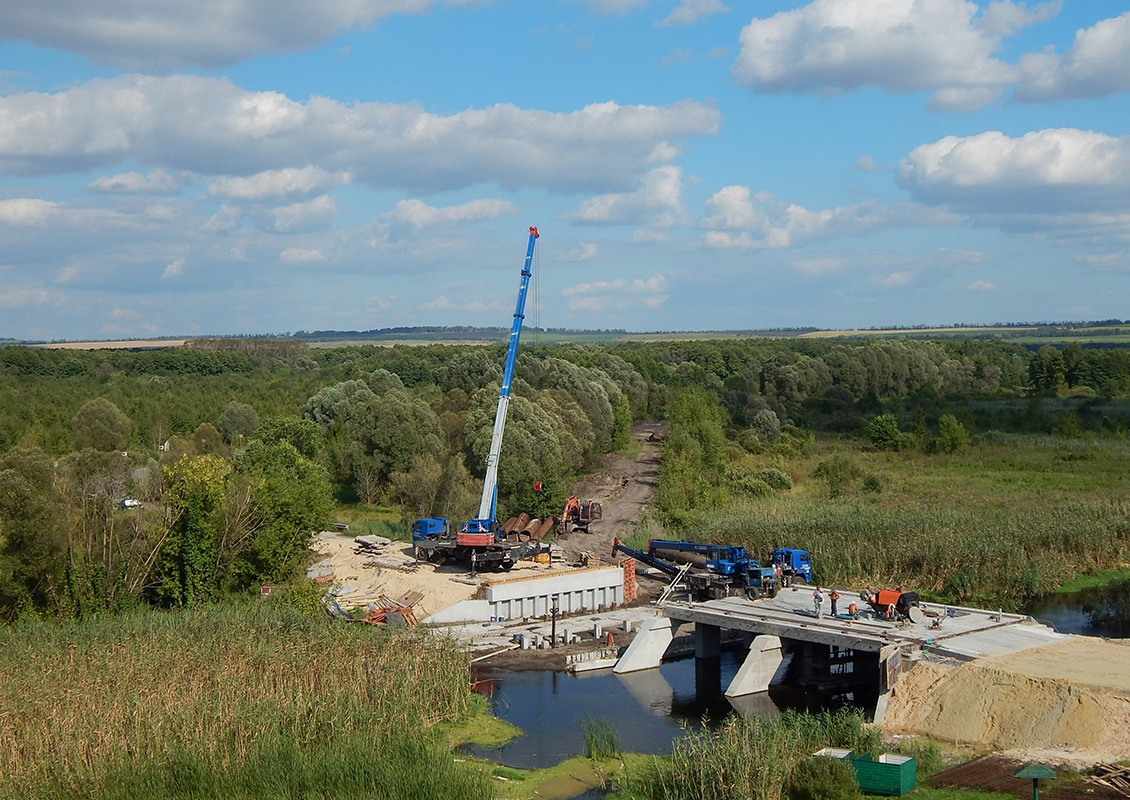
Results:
x,y
963,633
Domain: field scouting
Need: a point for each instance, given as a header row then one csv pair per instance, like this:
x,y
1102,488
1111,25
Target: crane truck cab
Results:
x,y
795,564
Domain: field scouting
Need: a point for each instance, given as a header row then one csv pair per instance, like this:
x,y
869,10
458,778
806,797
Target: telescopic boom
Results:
x,y
485,520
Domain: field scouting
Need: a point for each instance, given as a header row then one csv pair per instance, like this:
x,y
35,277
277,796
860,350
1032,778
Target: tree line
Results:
x,y
238,448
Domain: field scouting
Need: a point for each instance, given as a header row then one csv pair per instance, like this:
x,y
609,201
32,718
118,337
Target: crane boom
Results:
x,y
485,521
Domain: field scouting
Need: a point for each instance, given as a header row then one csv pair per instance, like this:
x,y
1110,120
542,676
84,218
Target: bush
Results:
x,y
839,472
777,478
747,482
824,778
884,433
872,483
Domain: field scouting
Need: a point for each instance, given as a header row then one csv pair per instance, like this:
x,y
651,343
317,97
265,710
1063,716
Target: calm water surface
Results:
x,y
649,709
1092,612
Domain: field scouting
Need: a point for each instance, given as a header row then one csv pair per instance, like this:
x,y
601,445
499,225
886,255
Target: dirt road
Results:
x,y
623,488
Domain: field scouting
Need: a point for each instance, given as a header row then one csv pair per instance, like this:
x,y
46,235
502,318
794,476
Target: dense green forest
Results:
x,y
237,448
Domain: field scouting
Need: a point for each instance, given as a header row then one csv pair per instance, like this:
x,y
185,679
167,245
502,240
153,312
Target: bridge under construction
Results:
x,y
826,651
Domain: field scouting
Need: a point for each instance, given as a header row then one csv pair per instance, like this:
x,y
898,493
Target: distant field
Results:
x,y
1109,336
1010,332
126,344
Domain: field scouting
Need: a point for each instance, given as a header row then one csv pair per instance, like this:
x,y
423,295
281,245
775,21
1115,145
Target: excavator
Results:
x,y
577,514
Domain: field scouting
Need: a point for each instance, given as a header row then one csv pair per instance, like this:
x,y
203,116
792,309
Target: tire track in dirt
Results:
x,y
623,488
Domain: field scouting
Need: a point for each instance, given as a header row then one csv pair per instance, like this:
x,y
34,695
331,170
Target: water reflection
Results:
x,y
649,709
1103,611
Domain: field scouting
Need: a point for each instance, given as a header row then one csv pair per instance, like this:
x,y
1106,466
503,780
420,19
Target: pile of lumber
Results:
x,y
1112,776
390,611
378,548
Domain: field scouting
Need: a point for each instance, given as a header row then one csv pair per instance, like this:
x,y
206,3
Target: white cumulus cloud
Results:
x,y
658,201
618,294
301,255
1063,169
418,214
174,270
155,182
312,215
689,11
211,127
736,218
27,211
832,46
15,297
1094,65
277,183
142,34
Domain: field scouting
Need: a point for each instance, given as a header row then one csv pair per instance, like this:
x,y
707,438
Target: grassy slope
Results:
x,y
246,700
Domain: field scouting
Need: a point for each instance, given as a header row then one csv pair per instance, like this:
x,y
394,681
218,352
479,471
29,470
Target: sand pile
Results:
x,y
1070,699
358,579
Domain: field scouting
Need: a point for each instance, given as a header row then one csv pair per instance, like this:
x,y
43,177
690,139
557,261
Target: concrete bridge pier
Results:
x,y
647,648
707,661
764,666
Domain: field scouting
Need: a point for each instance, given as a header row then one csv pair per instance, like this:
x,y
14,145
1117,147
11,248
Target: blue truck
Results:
x,y
709,571
796,565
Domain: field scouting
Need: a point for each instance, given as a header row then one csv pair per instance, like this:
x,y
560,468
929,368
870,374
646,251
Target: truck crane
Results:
x,y
709,570
480,540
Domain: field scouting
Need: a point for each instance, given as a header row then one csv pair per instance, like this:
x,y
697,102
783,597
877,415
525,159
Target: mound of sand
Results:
x,y
1069,700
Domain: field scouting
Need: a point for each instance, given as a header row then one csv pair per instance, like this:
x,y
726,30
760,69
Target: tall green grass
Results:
x,y
253,700
751,758
1000,522
602,740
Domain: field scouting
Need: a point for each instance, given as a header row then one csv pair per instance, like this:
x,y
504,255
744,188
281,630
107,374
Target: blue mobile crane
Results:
x,y
480,541
710,571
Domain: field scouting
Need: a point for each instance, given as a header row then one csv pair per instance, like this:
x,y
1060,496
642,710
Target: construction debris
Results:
x,y
382,554
1112,776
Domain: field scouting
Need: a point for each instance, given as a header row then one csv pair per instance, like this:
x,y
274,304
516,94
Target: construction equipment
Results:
x,y
714,570
481,541
894,604
796,565
577,514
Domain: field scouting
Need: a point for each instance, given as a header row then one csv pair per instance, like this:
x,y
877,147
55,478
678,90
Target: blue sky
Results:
x,y
262,166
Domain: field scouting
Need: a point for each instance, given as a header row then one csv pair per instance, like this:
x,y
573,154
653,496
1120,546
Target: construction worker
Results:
x,y
818,602
853,611
834,596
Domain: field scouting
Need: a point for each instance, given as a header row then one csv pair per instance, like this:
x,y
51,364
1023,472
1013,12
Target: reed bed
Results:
x,y
751,758
1001,522
252,700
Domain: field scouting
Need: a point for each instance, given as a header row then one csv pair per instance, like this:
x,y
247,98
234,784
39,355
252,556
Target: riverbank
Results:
x,y
1067,702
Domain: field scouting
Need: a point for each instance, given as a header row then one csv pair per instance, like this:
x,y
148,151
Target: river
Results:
x,y
1102,611
653,708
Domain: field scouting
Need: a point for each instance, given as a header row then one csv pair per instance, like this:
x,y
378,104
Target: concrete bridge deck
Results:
x,y
955,632
970,633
